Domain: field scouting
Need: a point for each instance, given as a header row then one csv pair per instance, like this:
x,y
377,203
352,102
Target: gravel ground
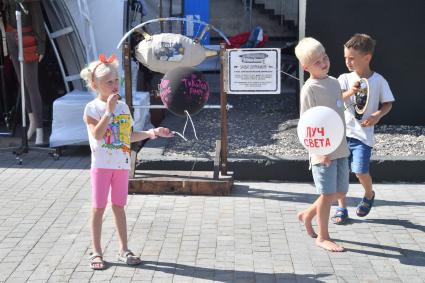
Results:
x,y
265,126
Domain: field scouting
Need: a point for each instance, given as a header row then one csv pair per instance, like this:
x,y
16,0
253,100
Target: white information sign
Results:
x,y
253,71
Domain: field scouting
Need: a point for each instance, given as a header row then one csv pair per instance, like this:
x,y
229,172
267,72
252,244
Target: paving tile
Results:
x,y
251,236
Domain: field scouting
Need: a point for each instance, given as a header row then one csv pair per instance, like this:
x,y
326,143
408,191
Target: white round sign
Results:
x,y
320,130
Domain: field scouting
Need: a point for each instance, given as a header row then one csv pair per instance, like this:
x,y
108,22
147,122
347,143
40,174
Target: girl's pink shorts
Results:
x,y
104,179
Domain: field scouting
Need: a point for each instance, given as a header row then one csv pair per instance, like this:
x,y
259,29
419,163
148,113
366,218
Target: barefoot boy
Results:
x,y
330,173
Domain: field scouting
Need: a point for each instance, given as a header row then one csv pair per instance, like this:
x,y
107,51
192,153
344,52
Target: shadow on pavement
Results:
x,y
246,191
405,256
223,275
395,222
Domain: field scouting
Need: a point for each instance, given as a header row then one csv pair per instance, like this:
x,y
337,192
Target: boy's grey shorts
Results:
x,y
332,179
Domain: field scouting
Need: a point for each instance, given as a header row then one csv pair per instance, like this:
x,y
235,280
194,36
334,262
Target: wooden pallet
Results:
x,y
180,182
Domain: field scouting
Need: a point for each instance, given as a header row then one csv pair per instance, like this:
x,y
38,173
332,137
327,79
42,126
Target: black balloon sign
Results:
x,y
183,88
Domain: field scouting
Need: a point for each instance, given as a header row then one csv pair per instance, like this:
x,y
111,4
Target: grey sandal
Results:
x,y
95,264
129,258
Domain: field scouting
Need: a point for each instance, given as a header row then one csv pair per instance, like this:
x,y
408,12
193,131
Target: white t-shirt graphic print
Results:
x,y
113,150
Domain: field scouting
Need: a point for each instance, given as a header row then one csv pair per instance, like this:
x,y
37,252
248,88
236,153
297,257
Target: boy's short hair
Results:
x,y
362,43
307,49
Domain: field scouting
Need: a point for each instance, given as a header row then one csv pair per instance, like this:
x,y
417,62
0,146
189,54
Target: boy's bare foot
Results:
x,y
307,223
329,245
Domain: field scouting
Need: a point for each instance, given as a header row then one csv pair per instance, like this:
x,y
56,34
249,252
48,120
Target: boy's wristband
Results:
x,y
109,114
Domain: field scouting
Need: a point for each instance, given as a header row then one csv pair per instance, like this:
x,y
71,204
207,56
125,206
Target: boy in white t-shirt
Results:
x,y
358,52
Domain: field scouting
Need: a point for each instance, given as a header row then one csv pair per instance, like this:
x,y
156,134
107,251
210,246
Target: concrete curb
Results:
x,y
293,169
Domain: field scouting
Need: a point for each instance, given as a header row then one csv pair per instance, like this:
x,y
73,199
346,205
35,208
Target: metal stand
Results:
x,y
24,148
4,106
217,181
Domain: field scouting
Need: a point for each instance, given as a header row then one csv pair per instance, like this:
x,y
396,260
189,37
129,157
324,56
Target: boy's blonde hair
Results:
x,y
307,49
98,69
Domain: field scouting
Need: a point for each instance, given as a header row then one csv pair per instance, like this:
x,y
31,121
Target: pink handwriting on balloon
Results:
x,y
195,86
165,90
164,83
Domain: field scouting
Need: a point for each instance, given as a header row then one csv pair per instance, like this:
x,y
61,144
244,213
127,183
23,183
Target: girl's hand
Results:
x,y
151,134
111,102
163,132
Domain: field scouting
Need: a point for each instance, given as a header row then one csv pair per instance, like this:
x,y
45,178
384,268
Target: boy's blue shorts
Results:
x,y
332,179
360,156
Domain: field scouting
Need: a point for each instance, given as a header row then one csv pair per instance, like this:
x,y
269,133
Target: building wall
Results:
x,y
231,18
398,26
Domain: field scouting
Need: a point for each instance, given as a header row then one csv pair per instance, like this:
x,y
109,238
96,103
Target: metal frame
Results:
x,y
220,162
70,51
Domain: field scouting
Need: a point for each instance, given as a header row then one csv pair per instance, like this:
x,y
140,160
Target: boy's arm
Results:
x,y
354,89
375,117
346,94
306,100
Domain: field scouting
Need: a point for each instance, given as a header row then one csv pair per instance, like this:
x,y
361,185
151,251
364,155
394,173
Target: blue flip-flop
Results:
x,y
340,217
365,206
